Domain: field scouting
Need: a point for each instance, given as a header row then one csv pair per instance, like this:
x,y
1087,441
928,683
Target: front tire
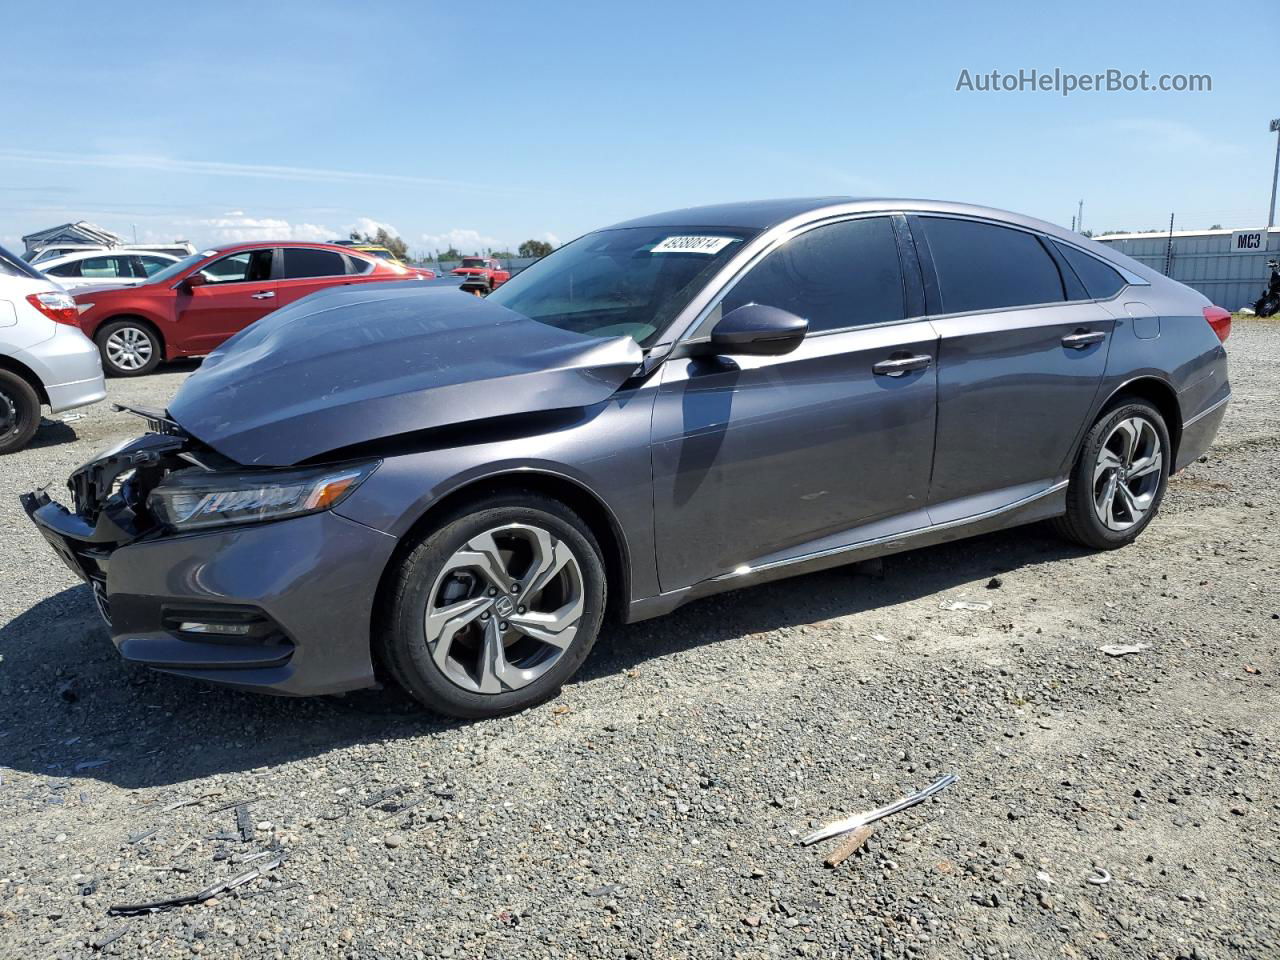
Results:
x,y
1120,477
19,412
497,608
129,348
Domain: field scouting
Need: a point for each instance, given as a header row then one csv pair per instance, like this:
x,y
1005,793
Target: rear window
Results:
x,y
981,266
11,266
1100,280
300,262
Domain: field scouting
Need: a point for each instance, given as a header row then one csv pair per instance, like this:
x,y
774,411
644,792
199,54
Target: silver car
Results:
x,y
454,493
45,359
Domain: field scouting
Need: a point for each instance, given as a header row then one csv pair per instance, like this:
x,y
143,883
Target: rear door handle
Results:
x,y
897,366
265,295
1083,338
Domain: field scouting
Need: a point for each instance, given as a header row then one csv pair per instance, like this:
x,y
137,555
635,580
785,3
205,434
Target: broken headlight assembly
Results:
x,y
197,499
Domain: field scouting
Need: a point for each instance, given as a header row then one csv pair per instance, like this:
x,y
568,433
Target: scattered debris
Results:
x,y
1099,877
967,605
69,691
851,845
389,794
143,835
871,816
1123,650
995,583
1044,878
243,823
1253,670
200,896
185,802
605,890
233,803
89,889
110,938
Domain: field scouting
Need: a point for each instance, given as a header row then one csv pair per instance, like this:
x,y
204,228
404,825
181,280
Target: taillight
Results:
x,y
1220,320
56,305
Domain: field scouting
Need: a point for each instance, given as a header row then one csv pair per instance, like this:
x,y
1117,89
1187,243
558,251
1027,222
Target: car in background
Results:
x,y
486,269
121,268
382,253
191,307
45,359
53,251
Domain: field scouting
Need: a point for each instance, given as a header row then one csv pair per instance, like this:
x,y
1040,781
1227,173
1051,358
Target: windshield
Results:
x,y
171,271
472,262
620,283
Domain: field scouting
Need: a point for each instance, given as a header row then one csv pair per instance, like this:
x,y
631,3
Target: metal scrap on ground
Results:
x,y
1121,650
871,816
967,605
200,896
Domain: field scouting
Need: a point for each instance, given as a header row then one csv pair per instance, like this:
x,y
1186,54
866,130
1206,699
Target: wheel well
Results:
x,y
1160,395
584,503
27,374
136,319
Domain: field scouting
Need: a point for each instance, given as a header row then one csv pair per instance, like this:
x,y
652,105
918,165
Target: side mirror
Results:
x,y
757,330
196,279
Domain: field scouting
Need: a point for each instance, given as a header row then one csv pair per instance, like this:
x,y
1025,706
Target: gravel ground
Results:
x,y
652,809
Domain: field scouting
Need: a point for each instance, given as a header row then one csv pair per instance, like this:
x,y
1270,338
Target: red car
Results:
x,y
485,268
190,308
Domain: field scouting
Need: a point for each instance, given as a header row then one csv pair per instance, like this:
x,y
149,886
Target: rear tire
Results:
x,y
19,412
496,608
1119,479
129,348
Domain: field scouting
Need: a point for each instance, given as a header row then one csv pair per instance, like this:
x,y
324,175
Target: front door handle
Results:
x,y
1083,338
265,295
897,366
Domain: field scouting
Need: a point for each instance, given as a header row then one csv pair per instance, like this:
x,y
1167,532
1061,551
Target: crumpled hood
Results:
x,y
359,363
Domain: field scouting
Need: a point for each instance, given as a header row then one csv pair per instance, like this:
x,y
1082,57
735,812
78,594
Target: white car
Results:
x,y
121,268
45,359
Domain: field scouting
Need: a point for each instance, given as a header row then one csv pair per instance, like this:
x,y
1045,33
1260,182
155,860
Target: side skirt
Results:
x,y
1051,502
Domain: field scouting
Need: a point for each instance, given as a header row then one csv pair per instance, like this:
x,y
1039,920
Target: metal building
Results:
x,y
1227,266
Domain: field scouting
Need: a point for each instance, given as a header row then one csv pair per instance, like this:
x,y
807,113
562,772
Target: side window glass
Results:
x,y
358,265
981,266
105,267
252,265
1100,280
301,262
840,275
65,270
148,266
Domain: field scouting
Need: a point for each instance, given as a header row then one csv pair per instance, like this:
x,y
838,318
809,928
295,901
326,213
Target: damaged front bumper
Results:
x,y
282,606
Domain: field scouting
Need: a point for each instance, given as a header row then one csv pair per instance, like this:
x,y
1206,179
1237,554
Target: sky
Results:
x,y
483,125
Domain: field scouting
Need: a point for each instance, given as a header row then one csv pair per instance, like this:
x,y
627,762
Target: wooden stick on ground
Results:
x,y
849,846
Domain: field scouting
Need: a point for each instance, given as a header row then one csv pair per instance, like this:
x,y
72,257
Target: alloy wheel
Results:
x,y
1127,473
129,348
504,608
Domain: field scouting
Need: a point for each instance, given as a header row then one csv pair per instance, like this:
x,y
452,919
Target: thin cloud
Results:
x,y
213,168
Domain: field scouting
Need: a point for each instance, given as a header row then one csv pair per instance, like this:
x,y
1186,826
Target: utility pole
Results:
x,y
1275,174
1073,223
1168,250
1080,217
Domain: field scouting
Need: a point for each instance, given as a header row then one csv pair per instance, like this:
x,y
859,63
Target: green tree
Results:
x,y
535,248
451,254
399,249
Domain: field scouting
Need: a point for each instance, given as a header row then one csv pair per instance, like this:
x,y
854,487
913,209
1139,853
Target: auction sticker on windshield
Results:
x,y
708,245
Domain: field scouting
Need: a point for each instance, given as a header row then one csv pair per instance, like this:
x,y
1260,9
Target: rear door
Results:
x,y
306,270
238,290
1020,359
756,457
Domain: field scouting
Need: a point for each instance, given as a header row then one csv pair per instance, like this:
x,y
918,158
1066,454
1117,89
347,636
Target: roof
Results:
x,y
751,214
79,232
259,244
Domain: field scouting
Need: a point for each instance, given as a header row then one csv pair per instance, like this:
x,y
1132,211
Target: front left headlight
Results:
x,y
196,499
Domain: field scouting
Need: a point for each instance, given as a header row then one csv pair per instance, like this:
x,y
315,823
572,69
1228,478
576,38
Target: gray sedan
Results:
x,y
455,494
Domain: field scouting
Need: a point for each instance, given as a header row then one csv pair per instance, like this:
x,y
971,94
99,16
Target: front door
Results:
x,y
238,290
1021,355
755,457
